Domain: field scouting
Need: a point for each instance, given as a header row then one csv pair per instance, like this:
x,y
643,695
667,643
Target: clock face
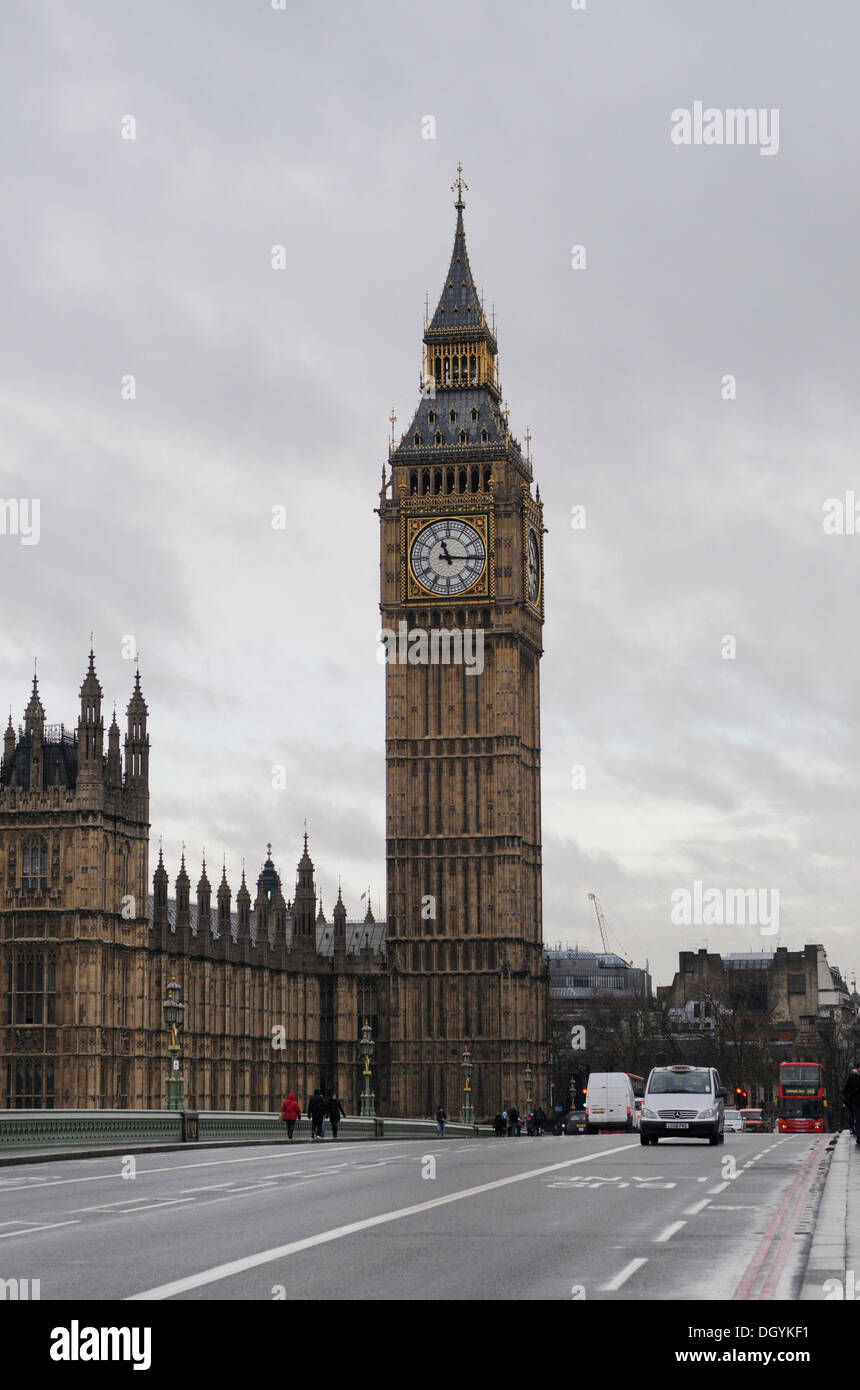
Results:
x,y
533,558
448,556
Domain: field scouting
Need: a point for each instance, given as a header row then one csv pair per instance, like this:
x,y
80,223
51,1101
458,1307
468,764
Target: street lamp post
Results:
x,y
174,1010
467,1114
366,1047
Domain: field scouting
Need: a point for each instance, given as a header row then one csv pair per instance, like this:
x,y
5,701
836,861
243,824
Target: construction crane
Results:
x,y
601,922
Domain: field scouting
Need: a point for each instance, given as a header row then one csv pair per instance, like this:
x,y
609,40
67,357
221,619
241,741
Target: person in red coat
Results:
x,y
290,1112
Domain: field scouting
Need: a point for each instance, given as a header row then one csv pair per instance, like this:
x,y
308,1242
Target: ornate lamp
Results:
x,y
174,1012
365,1048
467,1114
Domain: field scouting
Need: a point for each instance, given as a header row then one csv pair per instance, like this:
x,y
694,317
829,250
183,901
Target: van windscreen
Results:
x,y
680,1083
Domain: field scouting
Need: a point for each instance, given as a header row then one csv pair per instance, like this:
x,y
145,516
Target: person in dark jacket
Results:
x,y
513,1120
335,1111
499,1126
441,1121
290,1112
851,1098
317,1109
540,1120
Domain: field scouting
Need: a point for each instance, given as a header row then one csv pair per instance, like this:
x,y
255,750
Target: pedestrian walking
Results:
x,y
513,1120
851,1098
499,1125
317,1110
540,1120
290,1112
335,1111
441,1121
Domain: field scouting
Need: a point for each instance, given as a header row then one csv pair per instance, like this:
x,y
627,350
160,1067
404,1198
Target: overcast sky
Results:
x,y
303,127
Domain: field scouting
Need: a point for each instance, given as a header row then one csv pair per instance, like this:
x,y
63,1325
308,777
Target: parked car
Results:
x,y
754,1120
574,1122
733,1121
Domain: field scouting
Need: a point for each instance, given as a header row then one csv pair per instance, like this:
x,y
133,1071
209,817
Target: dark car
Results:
x,y
574,1122
755,1120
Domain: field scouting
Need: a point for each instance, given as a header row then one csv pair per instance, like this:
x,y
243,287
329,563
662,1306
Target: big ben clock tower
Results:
x,y
462,604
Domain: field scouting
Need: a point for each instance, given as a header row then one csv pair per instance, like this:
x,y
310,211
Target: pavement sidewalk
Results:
x,y
833,1268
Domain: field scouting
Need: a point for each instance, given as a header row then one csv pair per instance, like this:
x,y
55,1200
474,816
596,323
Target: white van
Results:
x,y
683,1102
610,1102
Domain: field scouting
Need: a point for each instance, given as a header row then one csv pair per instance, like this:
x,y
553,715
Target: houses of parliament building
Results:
x,y
274,994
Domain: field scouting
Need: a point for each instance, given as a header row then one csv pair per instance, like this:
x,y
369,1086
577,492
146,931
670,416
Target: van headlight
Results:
x,y
709,1114
649,1114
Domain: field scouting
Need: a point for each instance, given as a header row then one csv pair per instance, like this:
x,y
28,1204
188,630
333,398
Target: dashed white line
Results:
x,y
720,1187
625,1274
48,1226
669,1232
699,1206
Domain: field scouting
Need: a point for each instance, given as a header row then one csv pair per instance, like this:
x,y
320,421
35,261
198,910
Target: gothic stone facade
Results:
x,y
462,551
86,955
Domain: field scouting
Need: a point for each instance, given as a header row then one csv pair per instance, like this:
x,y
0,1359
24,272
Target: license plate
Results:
x,y
677,1124
597,1112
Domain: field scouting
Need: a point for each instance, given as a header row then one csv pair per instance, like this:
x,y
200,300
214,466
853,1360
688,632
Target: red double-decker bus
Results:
x,y
801,1106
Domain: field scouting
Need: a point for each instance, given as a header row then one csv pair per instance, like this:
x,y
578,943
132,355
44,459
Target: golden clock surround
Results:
x,y
411,526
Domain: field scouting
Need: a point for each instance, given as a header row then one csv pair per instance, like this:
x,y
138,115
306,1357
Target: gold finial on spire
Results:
x,y
269,849
392,420
528,438
458,185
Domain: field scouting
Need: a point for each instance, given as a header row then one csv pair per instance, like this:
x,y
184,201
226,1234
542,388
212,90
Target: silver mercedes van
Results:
x,y
682,1102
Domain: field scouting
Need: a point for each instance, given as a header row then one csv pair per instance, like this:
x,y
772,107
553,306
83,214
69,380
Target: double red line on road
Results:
x,y
783,1218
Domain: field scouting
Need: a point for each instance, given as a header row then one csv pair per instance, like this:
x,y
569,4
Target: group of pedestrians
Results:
x,y
320,1109
510,1122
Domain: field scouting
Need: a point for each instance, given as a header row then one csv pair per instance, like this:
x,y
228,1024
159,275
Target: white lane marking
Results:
x,y
669,1232
206,1187
226,1271
49,1226
720,1187
625,1274
131,1205
699,1206
208,1163
255,1187
166,1202
716,1208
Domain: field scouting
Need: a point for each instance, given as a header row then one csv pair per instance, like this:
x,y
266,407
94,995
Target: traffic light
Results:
x,y
740,1097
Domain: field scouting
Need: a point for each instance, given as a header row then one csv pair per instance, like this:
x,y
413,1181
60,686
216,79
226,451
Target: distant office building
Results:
x,y
575,975
793,989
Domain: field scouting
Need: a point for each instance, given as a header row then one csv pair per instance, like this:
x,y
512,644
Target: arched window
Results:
x,y
474,412
473,367
34,865
431,417
488,473
462,436
452,417
484,437
449,480
438,436
413,483
437,481
438,370
475,480
425,481
462,480
417,439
